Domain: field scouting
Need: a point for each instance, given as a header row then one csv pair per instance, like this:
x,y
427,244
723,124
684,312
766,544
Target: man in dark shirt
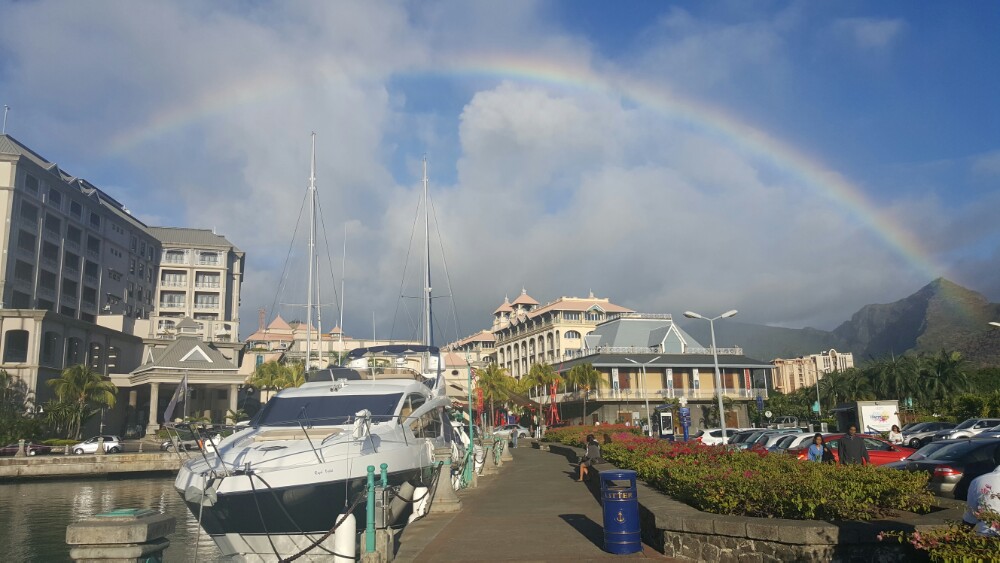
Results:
x,y
851,449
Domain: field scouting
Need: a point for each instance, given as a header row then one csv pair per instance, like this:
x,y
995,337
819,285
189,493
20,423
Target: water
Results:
x,y
34,515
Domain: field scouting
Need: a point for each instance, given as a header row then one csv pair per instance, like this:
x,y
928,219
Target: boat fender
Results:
x,y
403,497
420,506
196,495
344,538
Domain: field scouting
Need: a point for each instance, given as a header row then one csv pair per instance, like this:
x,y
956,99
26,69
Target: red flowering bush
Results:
x,y
754,483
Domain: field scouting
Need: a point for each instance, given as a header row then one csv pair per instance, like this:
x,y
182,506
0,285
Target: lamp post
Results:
x,y
642,366
715,358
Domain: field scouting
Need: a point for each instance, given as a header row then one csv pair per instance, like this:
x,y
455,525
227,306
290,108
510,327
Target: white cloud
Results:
x,y
560,189
870,33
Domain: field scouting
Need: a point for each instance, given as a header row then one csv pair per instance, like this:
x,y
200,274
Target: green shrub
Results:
x,y
754,483
577,435
59,442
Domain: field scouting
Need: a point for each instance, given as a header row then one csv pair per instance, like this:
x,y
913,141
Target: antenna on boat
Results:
x,y
312,252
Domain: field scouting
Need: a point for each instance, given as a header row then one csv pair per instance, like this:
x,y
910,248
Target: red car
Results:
x,y
879,451
30,449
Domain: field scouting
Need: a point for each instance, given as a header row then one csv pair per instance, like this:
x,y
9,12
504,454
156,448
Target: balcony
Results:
x,y
206,305
172,305
173,283
207,284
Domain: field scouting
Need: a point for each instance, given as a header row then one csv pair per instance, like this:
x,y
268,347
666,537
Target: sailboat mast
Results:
x,y
428,329
312,251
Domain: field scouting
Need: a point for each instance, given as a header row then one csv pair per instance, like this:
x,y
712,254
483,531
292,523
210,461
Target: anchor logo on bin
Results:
x,y
621,517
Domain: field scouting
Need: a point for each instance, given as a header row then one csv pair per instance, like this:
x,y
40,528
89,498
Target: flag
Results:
x,y
179,395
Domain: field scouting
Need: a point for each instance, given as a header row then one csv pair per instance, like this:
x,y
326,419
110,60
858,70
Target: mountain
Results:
x,y
941,315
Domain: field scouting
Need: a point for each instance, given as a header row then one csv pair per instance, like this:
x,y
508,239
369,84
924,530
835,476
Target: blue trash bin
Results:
x,y
621,512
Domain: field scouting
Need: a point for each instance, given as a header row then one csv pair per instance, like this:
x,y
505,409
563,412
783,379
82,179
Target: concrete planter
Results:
x,y
681,531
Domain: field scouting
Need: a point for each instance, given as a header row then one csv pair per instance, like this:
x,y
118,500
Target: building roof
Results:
x,y
504,307
665,361
188,352
191,237
524,299
279,324
481,336
579,304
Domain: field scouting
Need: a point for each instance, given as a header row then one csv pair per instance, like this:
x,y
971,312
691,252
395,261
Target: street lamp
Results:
x,y
715,357
642,366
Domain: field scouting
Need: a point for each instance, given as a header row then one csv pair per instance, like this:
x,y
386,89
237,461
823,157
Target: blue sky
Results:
x,y
558,161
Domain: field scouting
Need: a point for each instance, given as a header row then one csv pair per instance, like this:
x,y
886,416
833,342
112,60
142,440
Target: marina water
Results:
x,y
34,515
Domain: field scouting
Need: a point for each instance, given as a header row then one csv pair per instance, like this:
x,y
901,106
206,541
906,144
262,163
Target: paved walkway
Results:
x,y
533,510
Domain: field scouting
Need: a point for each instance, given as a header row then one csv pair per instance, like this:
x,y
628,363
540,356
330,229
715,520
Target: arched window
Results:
x,y
113,352
571,334
95,357
15,347
51,344
73,351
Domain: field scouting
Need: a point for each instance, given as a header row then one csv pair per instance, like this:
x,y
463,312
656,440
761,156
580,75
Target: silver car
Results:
x,y
922,433
968,429
112,445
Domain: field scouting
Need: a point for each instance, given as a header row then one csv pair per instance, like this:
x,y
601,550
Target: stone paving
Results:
x,y
533,510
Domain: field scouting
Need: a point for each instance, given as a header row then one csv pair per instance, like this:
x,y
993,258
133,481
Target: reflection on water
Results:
x,y
34,515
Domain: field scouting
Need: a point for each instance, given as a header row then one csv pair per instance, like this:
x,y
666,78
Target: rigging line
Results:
x,y
447,273
409,247
288,256
326,241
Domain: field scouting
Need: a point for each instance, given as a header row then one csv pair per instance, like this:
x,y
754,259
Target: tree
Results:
x,y
271,377
542,375
894,377
84,391
15,401
586,377
494,383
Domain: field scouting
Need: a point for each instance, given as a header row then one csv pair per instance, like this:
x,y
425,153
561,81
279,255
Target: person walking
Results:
x,y
818,451
592,456
852,449
895,436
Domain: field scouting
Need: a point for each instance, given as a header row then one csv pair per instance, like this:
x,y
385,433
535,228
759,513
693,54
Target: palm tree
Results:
x,y
894,377
858,385
85,390
584,376
493,382
833,388
942,375
542,375
294,375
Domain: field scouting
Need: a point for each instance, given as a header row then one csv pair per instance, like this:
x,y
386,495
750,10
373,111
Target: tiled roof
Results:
x,y
279,324
524,299
504,307
481,336
580,304
666,360
264,335
191,237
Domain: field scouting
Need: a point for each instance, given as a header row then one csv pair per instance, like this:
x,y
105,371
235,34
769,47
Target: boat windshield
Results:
x,y
325,411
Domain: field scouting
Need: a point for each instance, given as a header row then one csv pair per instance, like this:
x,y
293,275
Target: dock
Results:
x,y
532,510
58,466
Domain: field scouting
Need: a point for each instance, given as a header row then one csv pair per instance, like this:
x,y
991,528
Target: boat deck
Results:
x,y
533,510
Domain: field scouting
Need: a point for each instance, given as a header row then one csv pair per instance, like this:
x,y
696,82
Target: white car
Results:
x,y
781,442
112,445
713,436
504,431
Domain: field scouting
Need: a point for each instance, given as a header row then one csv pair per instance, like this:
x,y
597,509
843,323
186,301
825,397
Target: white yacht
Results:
x,y
271,490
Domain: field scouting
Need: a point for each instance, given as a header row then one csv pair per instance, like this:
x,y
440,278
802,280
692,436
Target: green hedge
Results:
x,y
577,435
755,483
60,442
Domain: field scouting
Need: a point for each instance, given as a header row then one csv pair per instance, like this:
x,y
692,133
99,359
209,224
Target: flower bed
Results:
x,y
754,483
576,436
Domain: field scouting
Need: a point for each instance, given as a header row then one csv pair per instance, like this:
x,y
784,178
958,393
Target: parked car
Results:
x,y
112,445
923,433
989,433
955,464
967,429
765,437
29,448
785,422
713,436
880,451
504,431
781,442
742,435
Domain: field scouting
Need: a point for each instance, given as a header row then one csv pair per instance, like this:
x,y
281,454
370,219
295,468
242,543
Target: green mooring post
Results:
x,y
370,527
385,475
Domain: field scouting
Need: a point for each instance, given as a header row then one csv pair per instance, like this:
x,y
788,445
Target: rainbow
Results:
x,y
709,120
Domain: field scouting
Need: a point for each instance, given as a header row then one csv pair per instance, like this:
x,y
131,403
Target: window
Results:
x,y
594,316
46,305
173,278
142,248
428,425
174,257
73,234
208,258
206,301
55,198
73,351
50,252
571,316
89,295
70,288
24,272
50,347
411,403
142,270
571,334
71,262
29,212
131,266
95,220
91,270
96,359
15,346
47,280
26,241
75,209
206,280
133,243
20,300
112,358
93,245
31,183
